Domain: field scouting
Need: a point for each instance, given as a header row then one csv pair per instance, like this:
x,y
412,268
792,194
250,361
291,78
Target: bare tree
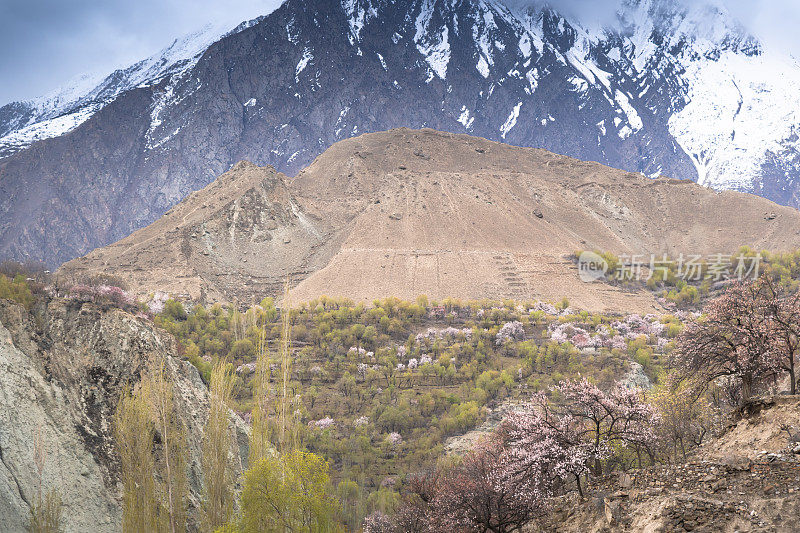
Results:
x,y
783,311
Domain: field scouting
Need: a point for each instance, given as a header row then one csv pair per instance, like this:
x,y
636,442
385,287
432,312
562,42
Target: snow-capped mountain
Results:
x,y
669,87
57,113
738,119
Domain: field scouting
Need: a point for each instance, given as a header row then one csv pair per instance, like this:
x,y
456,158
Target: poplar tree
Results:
x,y
218,471
155,489
134,431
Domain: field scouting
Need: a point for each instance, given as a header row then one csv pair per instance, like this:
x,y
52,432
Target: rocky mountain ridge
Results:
x,y
61,111
669,88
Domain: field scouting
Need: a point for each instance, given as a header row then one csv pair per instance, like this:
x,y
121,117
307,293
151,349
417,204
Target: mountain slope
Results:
x,y
53,115
408,212
64,367
669,89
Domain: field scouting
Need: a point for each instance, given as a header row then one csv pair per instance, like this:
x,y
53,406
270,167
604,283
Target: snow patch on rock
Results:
x,y
511,121
434,46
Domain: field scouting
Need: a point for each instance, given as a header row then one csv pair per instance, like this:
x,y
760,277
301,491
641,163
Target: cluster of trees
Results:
x,y
25,282
390,394
688,281
783,268
104,295
284,488
742,344
745,339
385,397
547,446
16,289
21,282
347,365
382,387
424,371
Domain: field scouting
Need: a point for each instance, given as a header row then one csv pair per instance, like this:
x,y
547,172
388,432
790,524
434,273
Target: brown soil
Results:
x,y
748,479
410,212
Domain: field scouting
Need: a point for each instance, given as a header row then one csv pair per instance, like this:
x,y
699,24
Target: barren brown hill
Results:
x,y
410,212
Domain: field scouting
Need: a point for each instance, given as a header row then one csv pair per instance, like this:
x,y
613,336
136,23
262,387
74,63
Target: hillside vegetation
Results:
x,y
380,388
360,407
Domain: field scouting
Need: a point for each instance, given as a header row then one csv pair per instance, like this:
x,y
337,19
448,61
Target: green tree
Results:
x,y
154,491
173,488
349,495
16,290
174,309
218,471
288,493
134,432
243,349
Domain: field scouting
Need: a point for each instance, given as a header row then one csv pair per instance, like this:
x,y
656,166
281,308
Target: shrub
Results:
x,y
174,310
16,289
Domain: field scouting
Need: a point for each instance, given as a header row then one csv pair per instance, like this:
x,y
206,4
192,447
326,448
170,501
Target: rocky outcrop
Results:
x,y
62,367
730,484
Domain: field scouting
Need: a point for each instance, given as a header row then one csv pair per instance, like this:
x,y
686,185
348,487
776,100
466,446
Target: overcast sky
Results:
x,y
44,43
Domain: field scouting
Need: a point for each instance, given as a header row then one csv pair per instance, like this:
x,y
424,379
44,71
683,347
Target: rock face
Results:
x,y
409,212
671,88
737,482
62,368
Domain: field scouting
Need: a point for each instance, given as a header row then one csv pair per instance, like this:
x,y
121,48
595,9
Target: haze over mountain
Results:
x,y
410,212
670,88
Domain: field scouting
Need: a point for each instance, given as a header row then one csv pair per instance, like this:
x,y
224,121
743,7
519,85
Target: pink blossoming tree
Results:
x,y
735,339
602,420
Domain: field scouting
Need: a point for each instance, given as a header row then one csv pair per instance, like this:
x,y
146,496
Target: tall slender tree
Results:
x,y
218,471
287,429
260,427
155,487
159,392
134,432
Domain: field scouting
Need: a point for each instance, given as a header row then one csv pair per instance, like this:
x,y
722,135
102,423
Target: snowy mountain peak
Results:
x,y
23,123
660,87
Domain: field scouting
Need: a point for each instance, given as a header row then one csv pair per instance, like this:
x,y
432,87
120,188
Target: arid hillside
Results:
x,y
748,479
410,212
